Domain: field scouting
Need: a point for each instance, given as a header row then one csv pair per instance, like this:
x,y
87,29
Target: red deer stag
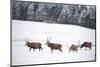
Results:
x,y
86,45
53,46
34,45
73,48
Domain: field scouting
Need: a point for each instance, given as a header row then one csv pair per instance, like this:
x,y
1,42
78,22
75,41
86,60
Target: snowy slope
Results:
x,y
38,32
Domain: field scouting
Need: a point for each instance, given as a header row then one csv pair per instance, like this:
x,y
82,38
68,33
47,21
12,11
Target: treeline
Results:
x,y
84,15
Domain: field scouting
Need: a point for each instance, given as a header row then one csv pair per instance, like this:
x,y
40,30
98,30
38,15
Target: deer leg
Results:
x,y
69,49
60,50
80,48
39,49
30,49
76,50
90,48
51,50
85,48
34,49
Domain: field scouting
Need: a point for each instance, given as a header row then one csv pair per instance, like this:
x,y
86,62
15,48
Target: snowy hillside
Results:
x,y
38,32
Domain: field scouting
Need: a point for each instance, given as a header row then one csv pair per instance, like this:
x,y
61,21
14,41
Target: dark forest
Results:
x,y
83,15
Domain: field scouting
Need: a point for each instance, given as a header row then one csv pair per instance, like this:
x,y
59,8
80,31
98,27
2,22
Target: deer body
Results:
x,y
73,48
54,46
34,45
86,45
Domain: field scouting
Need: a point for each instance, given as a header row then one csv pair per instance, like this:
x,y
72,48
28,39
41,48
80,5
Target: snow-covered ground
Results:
x,y
38,32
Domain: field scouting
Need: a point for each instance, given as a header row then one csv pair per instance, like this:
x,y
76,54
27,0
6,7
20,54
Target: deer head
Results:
x,y
48,40
26,42
79,43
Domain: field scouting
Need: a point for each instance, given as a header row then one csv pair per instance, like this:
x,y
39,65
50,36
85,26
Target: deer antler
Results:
x,y
50,38
79,43
26,39
47,37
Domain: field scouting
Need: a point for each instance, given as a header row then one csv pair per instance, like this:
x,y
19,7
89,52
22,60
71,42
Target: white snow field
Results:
x,y
61,33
